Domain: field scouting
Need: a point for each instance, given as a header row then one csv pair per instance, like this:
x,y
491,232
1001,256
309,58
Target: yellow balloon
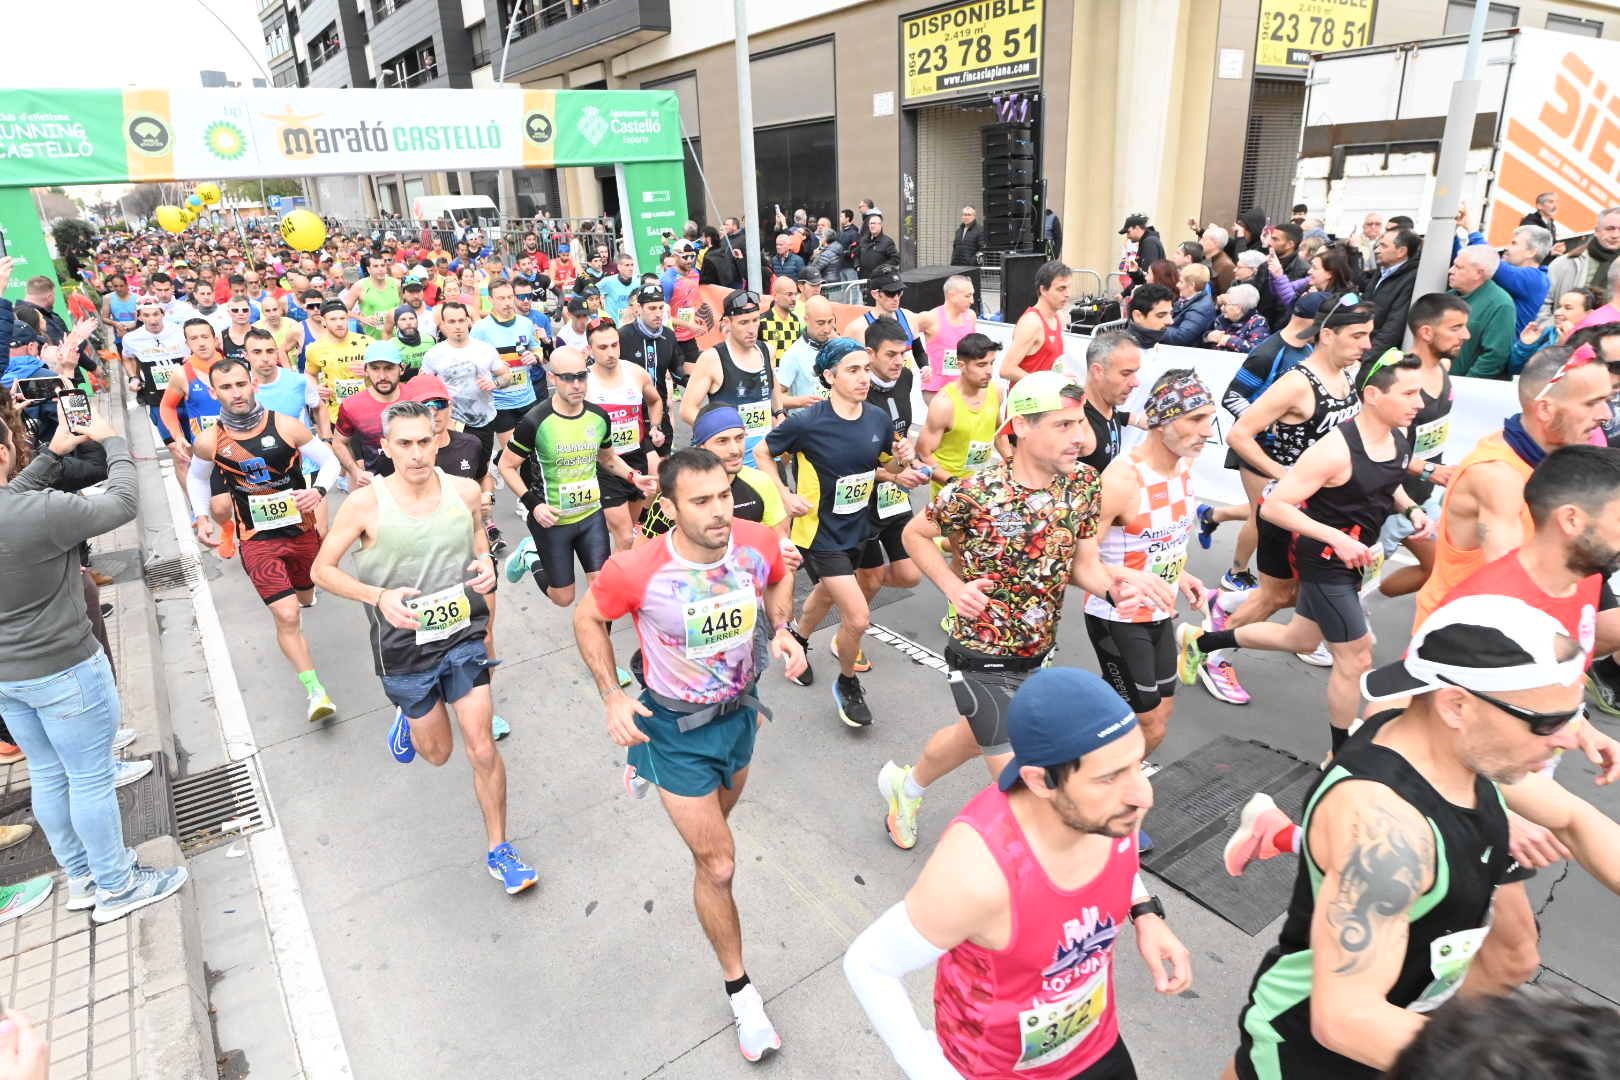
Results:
x,y
187,215
170,219
209,193
303,230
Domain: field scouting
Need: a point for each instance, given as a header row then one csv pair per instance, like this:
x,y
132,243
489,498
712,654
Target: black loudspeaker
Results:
x,y
1018,284
925,285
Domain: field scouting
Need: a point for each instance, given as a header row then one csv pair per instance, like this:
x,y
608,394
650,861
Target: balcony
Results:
x,y
323,49
382,9
397,79
551,35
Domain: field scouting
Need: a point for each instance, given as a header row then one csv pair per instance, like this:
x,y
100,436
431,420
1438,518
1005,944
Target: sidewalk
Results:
x,y
125,1001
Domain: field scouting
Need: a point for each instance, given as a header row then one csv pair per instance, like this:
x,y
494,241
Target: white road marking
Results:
x,y
920,654
304,993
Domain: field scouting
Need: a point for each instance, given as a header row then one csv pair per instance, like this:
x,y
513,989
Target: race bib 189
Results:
x,y
273,510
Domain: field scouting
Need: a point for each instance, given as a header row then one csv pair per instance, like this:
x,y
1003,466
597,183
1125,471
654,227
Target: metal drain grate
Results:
x,y
213,807
182,570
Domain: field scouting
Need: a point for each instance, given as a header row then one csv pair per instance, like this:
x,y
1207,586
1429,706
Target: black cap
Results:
x,y
578,306
1134,221
810,276
740,302
650,294
886,281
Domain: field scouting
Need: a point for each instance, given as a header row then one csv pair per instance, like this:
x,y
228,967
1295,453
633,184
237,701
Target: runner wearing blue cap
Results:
x,y
1022,902
842,447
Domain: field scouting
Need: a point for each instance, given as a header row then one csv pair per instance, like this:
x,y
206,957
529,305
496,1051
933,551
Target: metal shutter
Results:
x,y
1271,150
950,175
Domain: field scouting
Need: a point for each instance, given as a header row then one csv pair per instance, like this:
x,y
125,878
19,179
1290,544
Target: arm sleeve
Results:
x,y
875,965
321,456
197,485
1246,383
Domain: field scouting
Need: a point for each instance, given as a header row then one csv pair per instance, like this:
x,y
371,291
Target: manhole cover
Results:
x,y
144,807
218,805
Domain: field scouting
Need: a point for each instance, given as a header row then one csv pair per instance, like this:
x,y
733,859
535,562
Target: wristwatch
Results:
x,y
319,488
1428,471
1150,906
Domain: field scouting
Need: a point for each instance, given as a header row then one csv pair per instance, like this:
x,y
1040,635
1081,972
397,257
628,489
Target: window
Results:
x,y
478,38
1460,16
797,165
289,77
276,41
523,11
324,45
413,67
1571,24
382,9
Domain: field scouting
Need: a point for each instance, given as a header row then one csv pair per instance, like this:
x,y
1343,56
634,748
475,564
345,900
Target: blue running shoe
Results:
x,y
1206,525
507,867
518,563
625,678
1239,581
399,739
499,727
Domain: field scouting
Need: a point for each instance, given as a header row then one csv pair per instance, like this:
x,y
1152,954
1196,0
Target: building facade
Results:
x,y
1175,108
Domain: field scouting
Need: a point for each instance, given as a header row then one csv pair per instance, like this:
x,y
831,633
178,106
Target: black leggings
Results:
x,y
1114,1065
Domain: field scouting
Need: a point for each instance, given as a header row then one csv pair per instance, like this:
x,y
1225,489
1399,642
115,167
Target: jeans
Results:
x,y
65,724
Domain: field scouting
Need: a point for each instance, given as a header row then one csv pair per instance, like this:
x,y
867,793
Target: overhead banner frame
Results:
x,y
109,136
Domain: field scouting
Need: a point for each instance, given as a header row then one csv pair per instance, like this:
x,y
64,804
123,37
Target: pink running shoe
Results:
x,y
1259,823
1220,679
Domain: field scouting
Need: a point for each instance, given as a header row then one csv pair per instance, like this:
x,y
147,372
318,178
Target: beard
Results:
x,y
1117,825
1588,555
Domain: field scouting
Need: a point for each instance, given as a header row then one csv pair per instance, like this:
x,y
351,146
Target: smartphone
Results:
x,y
42,388
2,243
76,407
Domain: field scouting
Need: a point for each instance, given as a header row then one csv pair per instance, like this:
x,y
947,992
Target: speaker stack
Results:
x,y
1010,218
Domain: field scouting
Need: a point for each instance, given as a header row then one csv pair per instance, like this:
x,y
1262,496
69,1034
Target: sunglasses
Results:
x,y
742,304
1350,298
1388,357
1541,723
570,376
436,404
1577,359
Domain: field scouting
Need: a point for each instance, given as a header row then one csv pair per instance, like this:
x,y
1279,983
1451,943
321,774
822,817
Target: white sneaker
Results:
x,y
755,1033
127,772
81,893
635,786
124,737
1317,657
146,886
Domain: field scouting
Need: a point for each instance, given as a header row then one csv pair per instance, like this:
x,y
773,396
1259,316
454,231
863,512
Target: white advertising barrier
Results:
x,y
1479,405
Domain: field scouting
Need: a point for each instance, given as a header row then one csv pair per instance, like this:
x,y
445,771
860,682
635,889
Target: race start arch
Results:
x,y
66,137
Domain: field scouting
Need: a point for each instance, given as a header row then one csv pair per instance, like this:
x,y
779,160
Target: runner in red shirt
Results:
x,y
1037,341
1022,901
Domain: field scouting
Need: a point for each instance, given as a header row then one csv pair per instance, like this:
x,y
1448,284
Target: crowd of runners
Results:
x,y
688,484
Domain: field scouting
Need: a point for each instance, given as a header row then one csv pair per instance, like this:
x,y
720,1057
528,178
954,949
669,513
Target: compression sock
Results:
x,y
734,986
910,788
311,681
1339,735
1287,839
1213,640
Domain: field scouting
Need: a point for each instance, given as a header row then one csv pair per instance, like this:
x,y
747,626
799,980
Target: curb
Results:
x,y
173,1034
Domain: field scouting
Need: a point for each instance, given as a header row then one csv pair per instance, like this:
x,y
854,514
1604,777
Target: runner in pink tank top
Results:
x,y
1022,903
952,321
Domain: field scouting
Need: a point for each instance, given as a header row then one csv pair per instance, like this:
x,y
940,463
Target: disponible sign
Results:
x,y
102,136
1290,30
966,47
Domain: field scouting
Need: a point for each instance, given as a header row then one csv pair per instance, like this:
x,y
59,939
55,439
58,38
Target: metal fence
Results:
x,y
505,234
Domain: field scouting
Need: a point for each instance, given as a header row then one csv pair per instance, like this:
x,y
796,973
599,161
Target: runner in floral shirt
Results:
x,y
1021,533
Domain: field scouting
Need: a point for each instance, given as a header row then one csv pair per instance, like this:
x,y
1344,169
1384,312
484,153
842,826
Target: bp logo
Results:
x,y
225,140
148,134
537,126
593,125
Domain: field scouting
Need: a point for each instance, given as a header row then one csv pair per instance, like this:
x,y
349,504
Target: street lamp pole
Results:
x,y
745,122
1452,167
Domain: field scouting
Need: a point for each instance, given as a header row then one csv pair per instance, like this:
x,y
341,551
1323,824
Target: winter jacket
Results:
x,y
873,253
1390,298
1244,336
1566,272
969,242
1193,318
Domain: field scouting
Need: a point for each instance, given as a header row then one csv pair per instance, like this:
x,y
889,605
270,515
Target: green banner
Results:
x,y
25,243
652,198
67,136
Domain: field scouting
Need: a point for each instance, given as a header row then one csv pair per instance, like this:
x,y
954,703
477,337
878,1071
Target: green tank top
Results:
x,y
429,554
375,301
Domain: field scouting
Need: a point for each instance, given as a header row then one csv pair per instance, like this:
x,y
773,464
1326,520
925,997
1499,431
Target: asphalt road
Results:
x,y
602,970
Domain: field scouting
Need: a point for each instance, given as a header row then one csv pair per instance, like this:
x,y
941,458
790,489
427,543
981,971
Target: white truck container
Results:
x,y
1548,120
